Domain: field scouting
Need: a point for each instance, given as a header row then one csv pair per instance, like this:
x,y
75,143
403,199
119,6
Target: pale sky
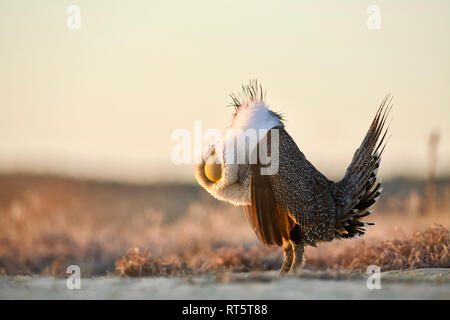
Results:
x,y
103,101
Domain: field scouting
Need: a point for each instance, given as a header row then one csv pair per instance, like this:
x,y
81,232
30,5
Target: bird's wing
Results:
x,y
297,194
270,221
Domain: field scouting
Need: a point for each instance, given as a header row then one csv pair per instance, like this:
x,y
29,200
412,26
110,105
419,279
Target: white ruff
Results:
x,y
253,119
255,115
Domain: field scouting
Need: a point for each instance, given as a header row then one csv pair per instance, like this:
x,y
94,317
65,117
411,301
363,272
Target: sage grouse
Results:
x,y
294,205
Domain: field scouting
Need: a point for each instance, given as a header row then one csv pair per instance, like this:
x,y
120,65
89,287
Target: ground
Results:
x,y
412,284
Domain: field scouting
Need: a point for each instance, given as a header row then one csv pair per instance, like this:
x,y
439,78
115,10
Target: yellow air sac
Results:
x,y
213,170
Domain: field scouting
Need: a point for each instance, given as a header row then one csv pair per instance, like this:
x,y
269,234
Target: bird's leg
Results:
x,y
287,257
298,258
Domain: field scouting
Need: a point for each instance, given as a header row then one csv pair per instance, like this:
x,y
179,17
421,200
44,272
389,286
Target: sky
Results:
x,y
102,101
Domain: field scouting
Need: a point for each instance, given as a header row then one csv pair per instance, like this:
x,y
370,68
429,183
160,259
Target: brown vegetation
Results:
x,y
48,223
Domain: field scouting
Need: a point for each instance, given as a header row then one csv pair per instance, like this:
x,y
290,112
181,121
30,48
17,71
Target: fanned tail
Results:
x,y
359,189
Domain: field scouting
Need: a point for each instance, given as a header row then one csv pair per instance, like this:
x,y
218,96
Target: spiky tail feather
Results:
x,y
359,189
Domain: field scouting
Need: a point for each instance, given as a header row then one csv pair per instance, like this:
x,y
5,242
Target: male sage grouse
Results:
x,y
288,202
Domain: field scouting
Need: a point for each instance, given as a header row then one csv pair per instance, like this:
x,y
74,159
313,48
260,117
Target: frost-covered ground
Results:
x,y
413,284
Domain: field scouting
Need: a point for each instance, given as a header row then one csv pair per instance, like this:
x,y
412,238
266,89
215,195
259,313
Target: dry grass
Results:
x,y
48,223
425,249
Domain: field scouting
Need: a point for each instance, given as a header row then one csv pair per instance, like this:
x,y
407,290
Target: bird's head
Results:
x,y
225,167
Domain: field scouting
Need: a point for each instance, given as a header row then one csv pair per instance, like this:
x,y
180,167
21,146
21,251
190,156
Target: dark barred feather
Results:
x,y
359,189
